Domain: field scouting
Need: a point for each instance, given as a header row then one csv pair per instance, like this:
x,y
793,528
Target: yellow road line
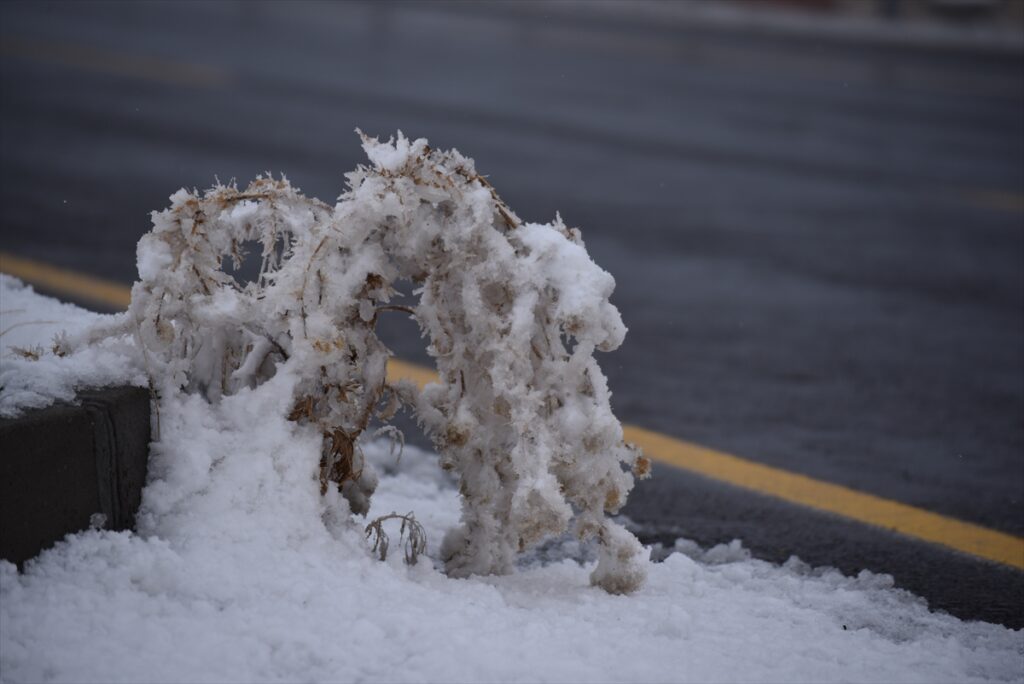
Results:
x,y
99,60
799,489
89,58
1012,202
403,370
69,283
832,498
103,61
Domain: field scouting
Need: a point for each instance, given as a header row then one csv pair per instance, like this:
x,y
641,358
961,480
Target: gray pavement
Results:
x,y
819,246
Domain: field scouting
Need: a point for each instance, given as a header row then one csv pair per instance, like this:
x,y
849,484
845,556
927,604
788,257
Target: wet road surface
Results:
x,y
819,247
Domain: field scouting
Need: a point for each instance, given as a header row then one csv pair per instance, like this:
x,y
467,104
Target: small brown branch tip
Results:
x,y
411,536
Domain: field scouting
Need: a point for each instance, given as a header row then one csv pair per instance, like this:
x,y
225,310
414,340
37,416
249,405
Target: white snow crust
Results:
x,y
31,376
241,571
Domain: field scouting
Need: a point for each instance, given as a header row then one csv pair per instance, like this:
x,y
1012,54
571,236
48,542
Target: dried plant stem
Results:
x,y
411,535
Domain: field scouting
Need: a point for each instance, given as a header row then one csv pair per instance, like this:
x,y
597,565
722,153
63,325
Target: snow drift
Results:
x,y
241,571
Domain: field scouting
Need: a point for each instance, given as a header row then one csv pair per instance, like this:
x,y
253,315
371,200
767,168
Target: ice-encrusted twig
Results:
x,y
514,312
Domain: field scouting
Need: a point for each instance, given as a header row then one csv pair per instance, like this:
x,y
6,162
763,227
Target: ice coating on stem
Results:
x,y
513,313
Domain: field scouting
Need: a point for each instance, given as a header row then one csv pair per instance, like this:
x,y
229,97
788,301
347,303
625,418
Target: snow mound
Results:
x,y
241,571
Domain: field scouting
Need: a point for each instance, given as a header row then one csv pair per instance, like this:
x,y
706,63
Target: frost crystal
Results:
x,y
513,312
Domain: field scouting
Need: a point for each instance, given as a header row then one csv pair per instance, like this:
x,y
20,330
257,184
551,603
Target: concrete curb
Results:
x,y
65,463
710,18
866,31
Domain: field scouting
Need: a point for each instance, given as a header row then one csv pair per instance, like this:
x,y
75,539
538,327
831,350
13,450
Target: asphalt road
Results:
x,y
819,246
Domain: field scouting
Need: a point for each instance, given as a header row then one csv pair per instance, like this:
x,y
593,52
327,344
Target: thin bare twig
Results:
x,y
411,535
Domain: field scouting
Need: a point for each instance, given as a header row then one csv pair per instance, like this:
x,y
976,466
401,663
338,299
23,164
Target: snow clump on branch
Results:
x,y
513,312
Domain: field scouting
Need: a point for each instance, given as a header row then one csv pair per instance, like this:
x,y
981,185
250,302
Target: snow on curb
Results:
x,y
32,378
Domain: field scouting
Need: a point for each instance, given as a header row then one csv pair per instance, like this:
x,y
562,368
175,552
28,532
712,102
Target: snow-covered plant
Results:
x,y
513,312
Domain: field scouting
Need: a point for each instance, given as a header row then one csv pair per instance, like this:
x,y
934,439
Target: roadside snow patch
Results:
x,y
241,571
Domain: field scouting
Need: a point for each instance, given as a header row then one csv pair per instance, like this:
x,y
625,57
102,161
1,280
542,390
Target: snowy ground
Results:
x,y
31,376
240,571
